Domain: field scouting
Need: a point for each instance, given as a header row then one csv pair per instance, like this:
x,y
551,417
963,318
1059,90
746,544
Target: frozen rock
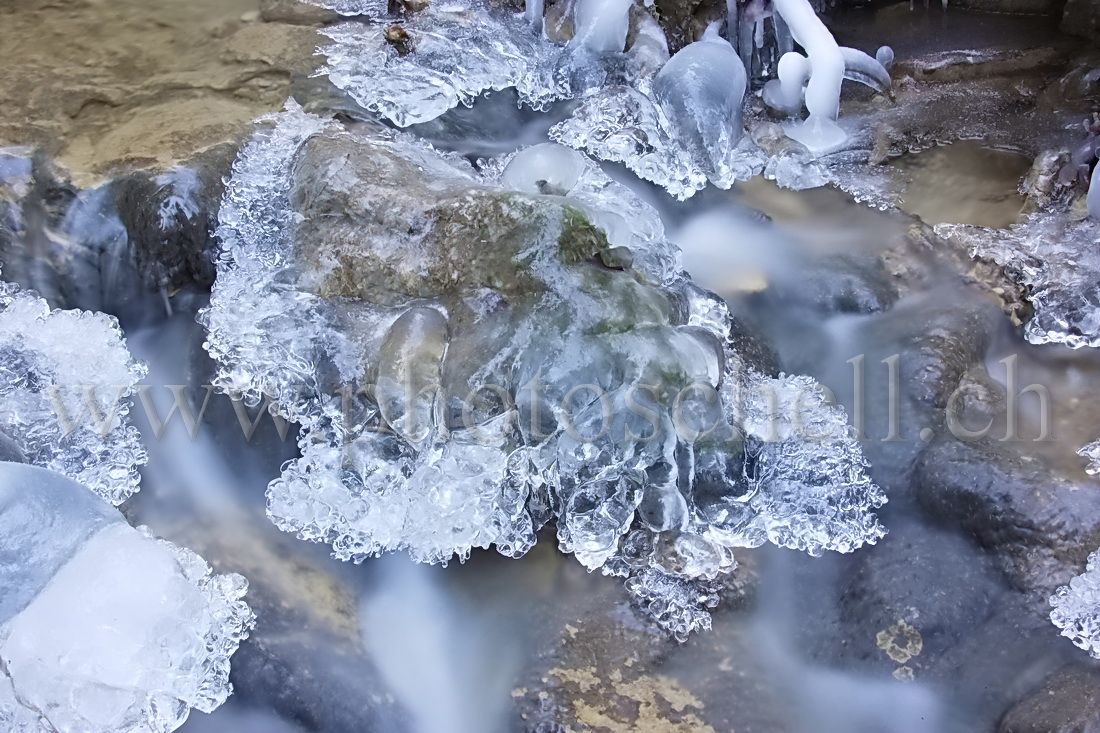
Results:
x,y
455,53
58,412
105,628
1076,608
562,369
1055,258
600,25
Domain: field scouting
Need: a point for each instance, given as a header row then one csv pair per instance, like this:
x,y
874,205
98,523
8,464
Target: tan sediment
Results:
x,y
106,85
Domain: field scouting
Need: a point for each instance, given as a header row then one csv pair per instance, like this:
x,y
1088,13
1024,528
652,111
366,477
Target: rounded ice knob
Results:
x,y
547,168
700,91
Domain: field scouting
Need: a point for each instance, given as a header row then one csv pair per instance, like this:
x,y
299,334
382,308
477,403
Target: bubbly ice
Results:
x,y
103,628
65,382
640,485
1076,608
1057,260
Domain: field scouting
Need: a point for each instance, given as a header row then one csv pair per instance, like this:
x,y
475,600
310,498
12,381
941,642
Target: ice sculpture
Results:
x,y
1076,608
1056,259
700,90
65,382
535,358
819,132
103,628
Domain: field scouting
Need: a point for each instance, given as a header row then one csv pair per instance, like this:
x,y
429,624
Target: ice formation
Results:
x,y
1055,257
478,353
700,91
458,51
65,382
1076,608
819,132
103,628
1093,199
678,124
1091,453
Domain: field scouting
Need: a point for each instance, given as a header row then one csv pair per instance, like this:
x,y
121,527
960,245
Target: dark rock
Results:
x,y
170,219
1040,524
1067,702
1082,18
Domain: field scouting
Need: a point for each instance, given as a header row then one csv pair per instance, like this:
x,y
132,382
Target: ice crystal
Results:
x,y
104,628
1056,259
1077,608
641,485
65,382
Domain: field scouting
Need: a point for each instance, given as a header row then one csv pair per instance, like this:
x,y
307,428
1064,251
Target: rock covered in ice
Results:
x,y
104,628
470,362
1056,259
456,51
1076,608
65,382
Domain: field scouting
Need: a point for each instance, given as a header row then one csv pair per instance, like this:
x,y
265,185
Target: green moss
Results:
x,y
580,239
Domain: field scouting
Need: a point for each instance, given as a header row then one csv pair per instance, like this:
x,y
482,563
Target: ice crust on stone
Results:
x,y
398,472
458,51
104,628
66,378
1076,608
676,122
1056,259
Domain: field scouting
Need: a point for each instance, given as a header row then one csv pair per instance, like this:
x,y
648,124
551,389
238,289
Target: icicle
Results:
x,y
732,24
600,26
860,67
1093,198
533,14
783,40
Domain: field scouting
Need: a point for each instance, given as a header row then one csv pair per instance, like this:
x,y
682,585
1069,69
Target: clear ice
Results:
x,y
1076,608
65,381
675,122
1056,258
655,497
104,628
